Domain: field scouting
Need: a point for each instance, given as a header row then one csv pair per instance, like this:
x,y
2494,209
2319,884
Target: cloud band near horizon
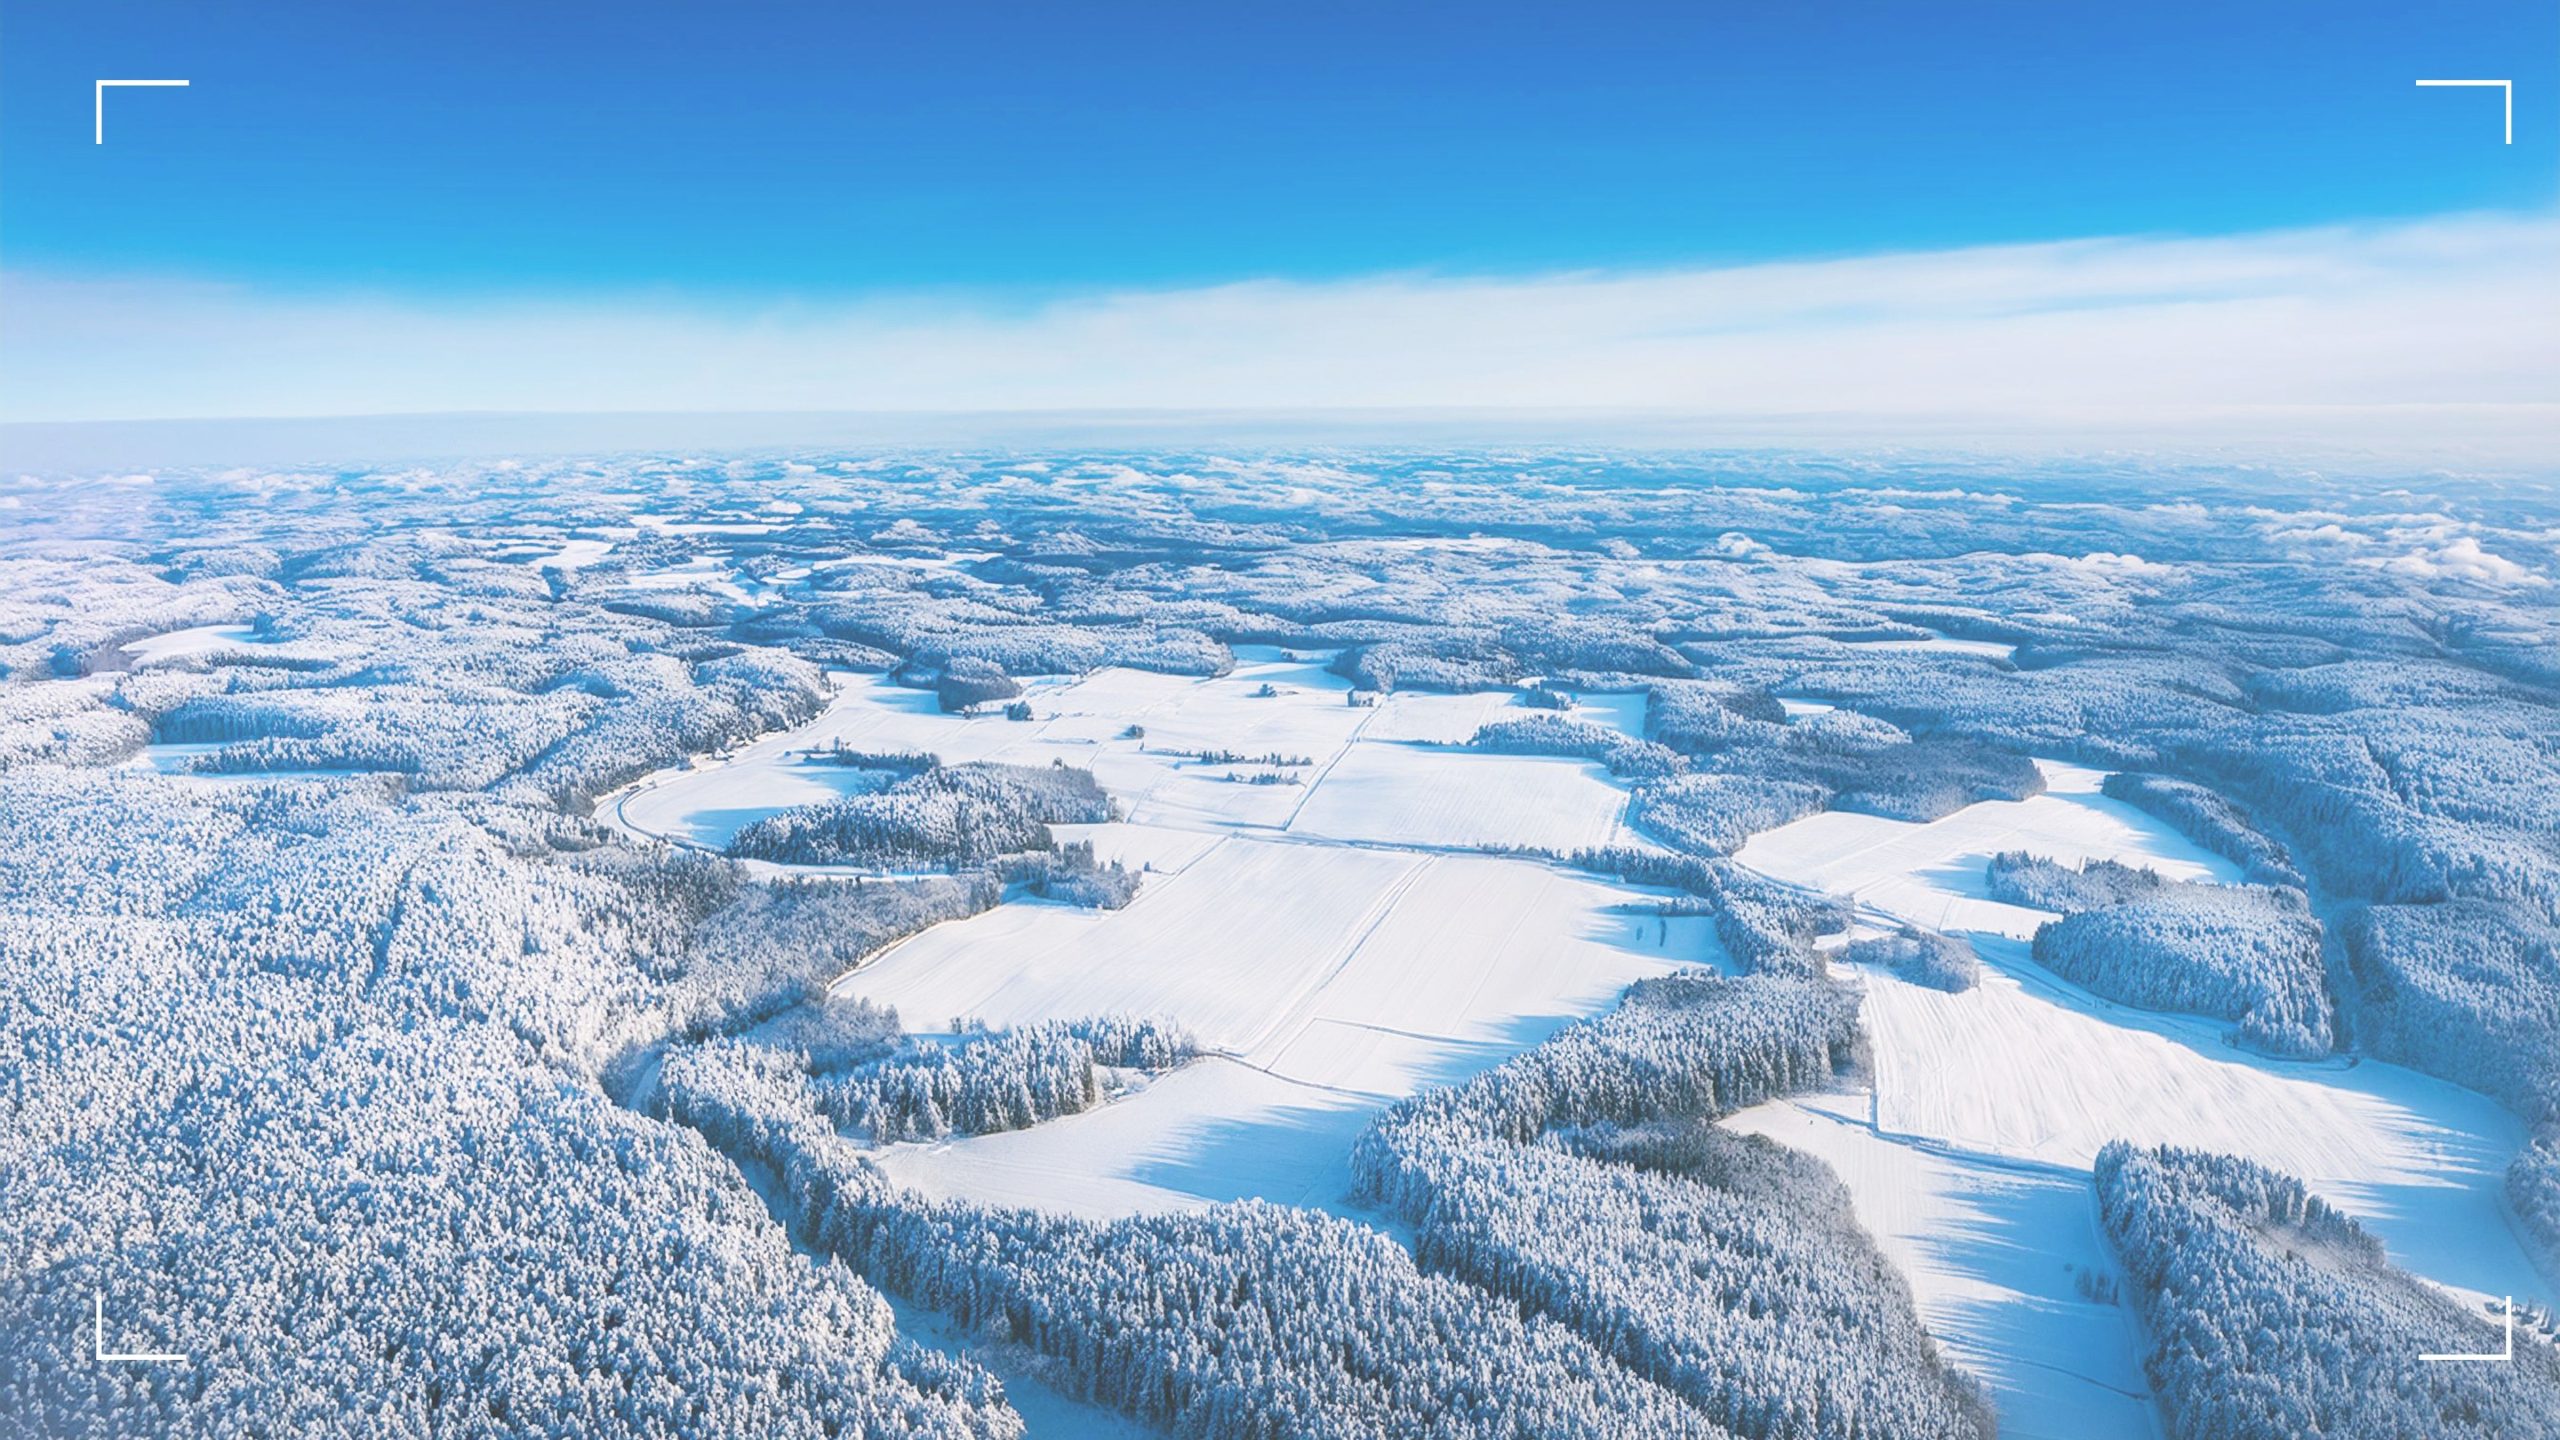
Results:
x,y
2417,336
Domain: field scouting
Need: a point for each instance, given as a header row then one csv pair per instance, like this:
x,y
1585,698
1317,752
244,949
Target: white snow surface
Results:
x,y
1336,946
1330,981
1422,795
1993,1251
575,554
1936,644
1439,719
195,640
2027,1066
1933,873
1335,943
1982,1099
1354,788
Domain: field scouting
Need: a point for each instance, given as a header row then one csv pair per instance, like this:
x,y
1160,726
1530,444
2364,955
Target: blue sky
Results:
x,y
849,147
2049,214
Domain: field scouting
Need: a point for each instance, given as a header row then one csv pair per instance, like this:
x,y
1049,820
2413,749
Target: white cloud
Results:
x,y
2110,562
2429,342
2462,559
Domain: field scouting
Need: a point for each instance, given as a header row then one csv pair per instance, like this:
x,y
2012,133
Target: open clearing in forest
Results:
x,y
1329,939
2027,1075
1180,752
1994,1253
1933,873
1413,795
1335,947
1412,971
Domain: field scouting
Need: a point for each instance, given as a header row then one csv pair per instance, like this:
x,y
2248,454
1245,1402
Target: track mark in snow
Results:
x,y
2027,1072
1991,1249
1296,1007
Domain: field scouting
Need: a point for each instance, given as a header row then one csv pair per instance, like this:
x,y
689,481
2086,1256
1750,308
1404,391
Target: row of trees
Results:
x,y
2250,954
2247,954
2015,877
1713,814
967,682
1853,760
990,1082
947,816
758,951
1242,1320
855,1063
1764,925
2209,820
2270,1312
1548,733
1582,1181
1703,717
941,632
2533,1187
1923,957
1071,875
1464,656
2470,990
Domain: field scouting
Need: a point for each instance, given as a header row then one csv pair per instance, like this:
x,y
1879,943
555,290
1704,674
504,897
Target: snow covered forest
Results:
x,y
1286,945
946,816
2276,1314
2245,953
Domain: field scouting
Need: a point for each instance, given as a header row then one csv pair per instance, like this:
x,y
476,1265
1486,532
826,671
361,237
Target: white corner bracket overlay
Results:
x,y
2508,1354
103,86
98,1342
2509,86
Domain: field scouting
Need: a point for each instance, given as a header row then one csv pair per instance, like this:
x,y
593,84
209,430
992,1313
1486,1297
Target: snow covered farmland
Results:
x,y
1180,753
1470,945
1988,1105
193,641
1995,1254
1326,980
1413,795
1933,873
1318,936
1332,958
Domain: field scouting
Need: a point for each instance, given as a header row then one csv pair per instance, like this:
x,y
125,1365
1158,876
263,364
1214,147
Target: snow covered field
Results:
x,y
1994,1252
1324,943
1432,719
1933,873
574,554
1315,935
2027,1066
704,572
1436,719
673,809
707,802
1140,847
1269,706
1944,645
195,640
1415,795
1401,971
1226,947
1990,1104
